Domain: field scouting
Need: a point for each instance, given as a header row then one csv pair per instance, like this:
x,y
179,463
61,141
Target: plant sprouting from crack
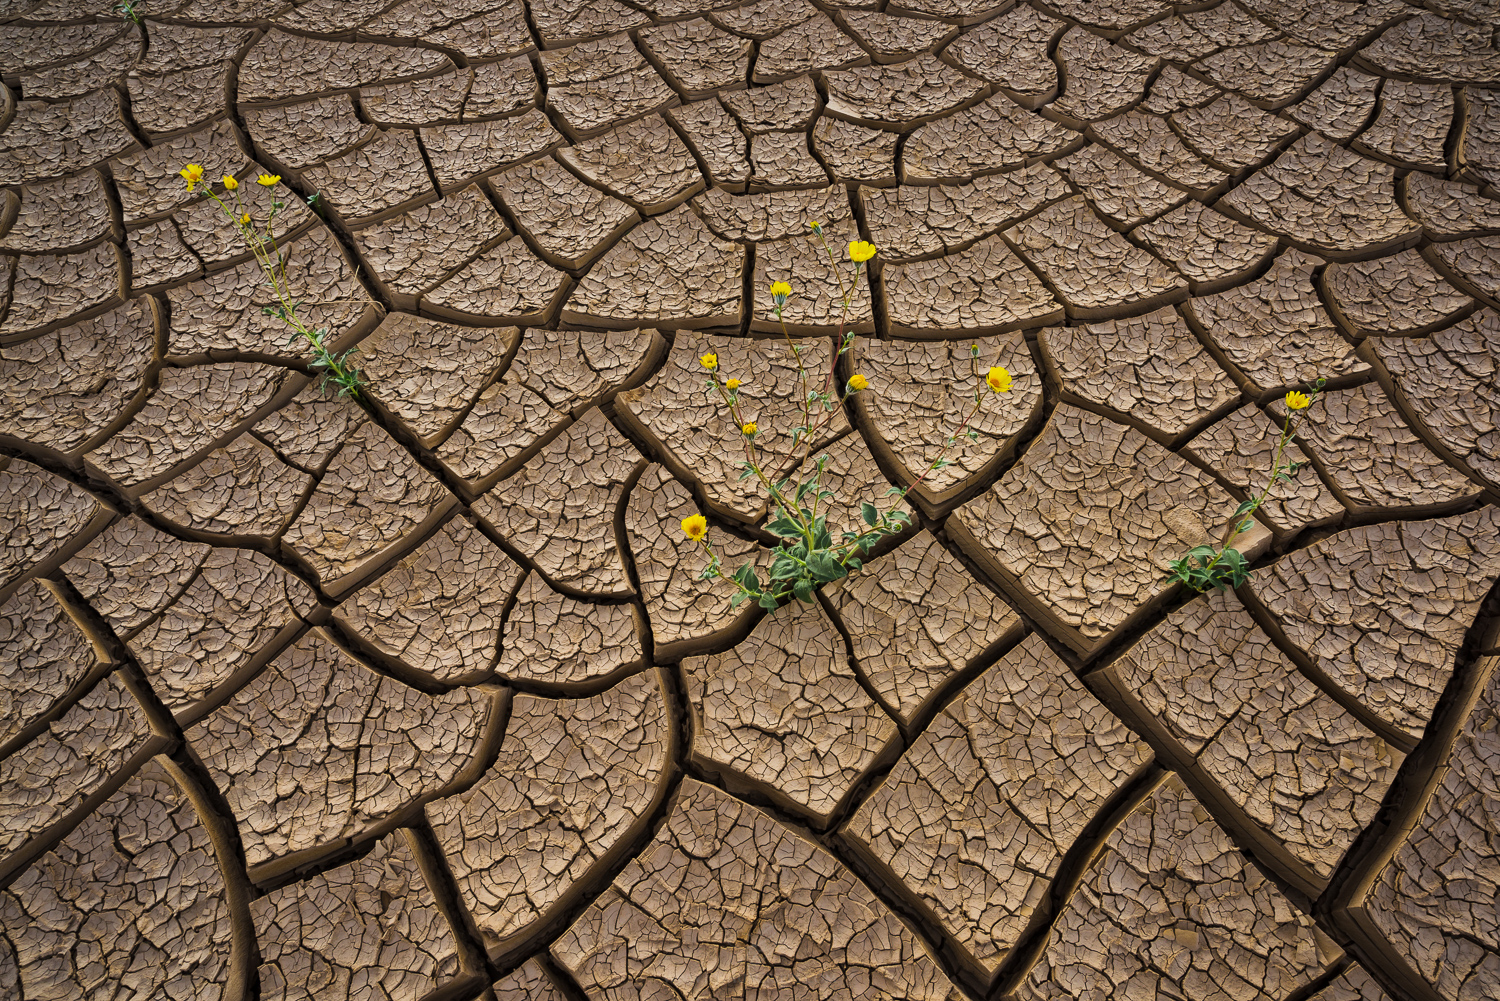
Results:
x,y
128,10
333,367
1223,566
808,556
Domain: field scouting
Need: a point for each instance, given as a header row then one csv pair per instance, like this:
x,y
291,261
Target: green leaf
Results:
x,y
784,569
784,527
803,590
825,567
767,602
1246,507
868,513
736,599
746,576
854,563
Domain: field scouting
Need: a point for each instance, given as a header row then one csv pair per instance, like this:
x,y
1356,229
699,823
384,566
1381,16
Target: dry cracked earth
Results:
x,y
422,698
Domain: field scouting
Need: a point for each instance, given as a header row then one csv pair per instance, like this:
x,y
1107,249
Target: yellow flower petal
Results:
x,y
860,251
709,361
858,382
998,379
731,384
1297,401
268,180
750,428
230,183
695,527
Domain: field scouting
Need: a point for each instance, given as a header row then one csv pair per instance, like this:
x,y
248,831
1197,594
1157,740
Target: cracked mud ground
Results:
x,y
422,699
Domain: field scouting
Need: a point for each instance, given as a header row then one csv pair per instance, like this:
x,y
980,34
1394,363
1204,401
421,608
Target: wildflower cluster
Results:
x,y
808,555
1222,566
335,368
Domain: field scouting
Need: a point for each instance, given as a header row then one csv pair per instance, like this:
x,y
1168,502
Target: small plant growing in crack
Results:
x,y
336,368
128,11
1222,566
808,556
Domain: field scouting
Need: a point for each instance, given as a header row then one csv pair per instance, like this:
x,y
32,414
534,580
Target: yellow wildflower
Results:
x,y
192,173
998,379
731,384
750,428
780,292
245,219
1297,401
860,251
268,180
695,527
817,227
709,361
230,183
858,382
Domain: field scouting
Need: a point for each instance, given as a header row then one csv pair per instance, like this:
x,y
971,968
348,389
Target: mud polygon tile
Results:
x,y
148,182
698,436
1479,148
96,70
59,216
669,269
763,18
1149,141
310,429
1325,197
1150,367
783,710
1242,447
1412,126
1112,15
29,47
892,37
438,610
241,488
158,257
562,22
574,779
1392,295
412,252
461,153
916,617
52,775
216,239
1183,38
643,162
1332,29
784,159
1433,901
922,390
596,85
188,411
815,44
505,284
1271,72
43,654
180,46
1173,90
1087,522
48,140
1116,188
553,639
1449,380
1474,261
995,135
281,65
500,88
1431,46
64,388
372,494
1450,208
427,101
478,28
328,16
1097,272
1340,107
1231,132
721,871
308,133
1207,247
371,928
1373,456
717,139
854,153
131,571
1011,51
131,904
318,748
772,215
901,95
821,288
699,57
1382,609
385,174
1172,906
985,288
680,607
1275,329
568,220
426,372
528,983
1298,764
1354,984
1103,78
779,107
559,508
163,103
962,11
977,815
